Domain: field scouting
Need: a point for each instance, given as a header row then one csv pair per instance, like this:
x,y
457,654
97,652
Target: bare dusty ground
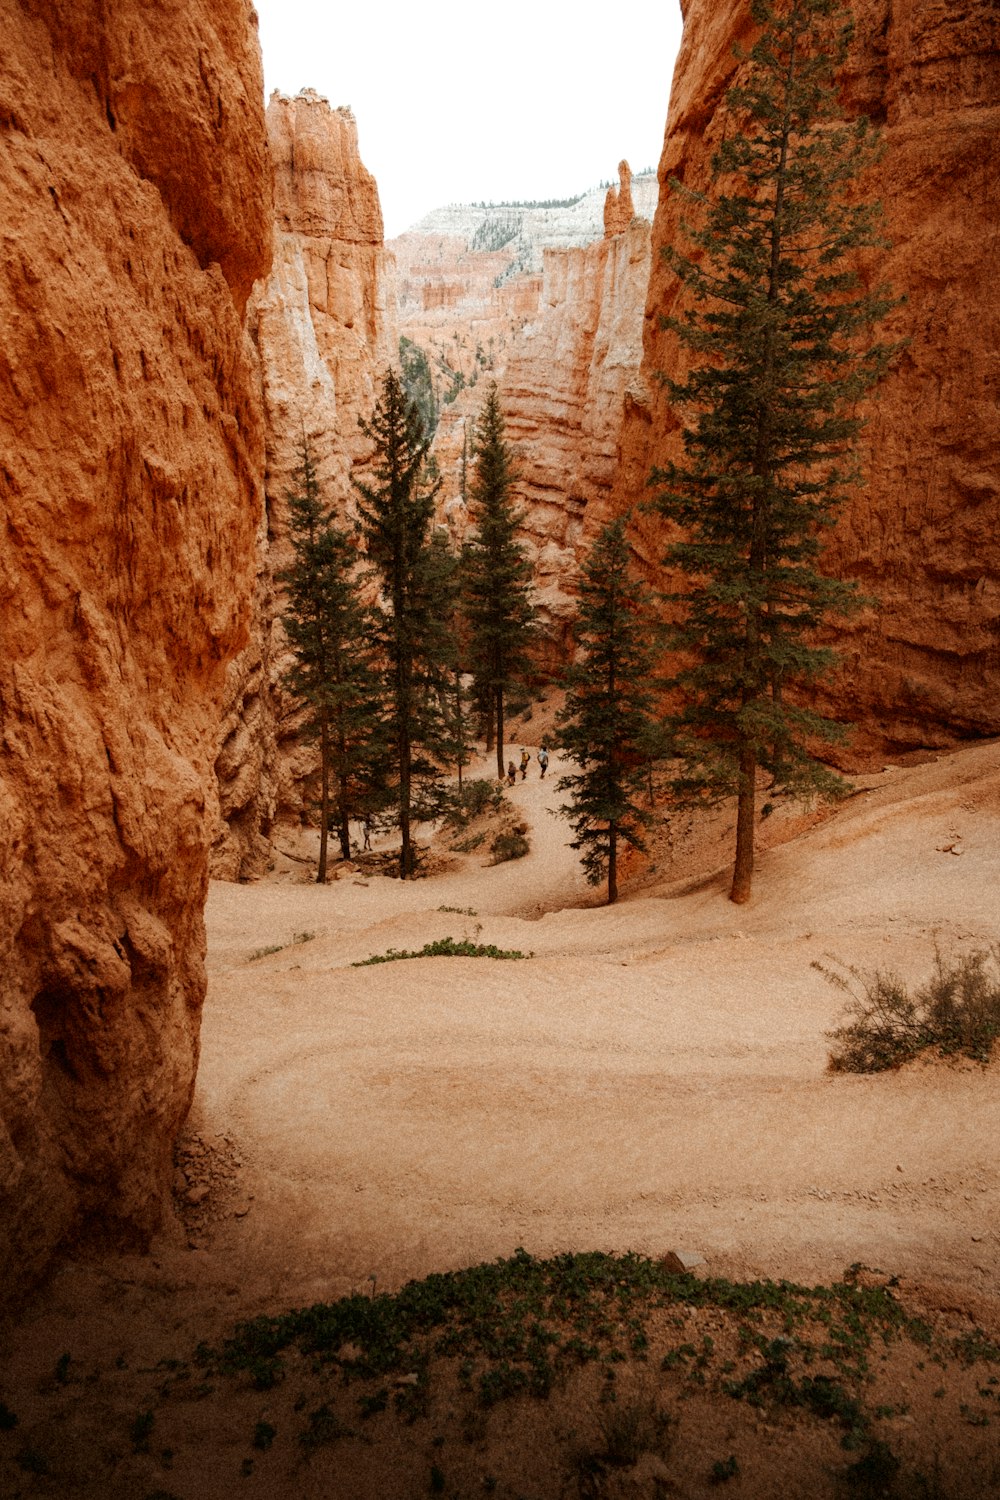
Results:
x,y
652,1078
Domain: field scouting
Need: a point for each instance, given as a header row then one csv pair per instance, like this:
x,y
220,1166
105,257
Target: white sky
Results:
x,y
458,101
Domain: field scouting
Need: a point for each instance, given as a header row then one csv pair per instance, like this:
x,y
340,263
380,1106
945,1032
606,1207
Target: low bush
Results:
x,y
512,843
447,947
957,1010
475,798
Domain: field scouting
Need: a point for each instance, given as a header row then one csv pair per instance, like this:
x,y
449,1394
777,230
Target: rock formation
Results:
x,y
922,533
325,329
136,215
565,374
618,209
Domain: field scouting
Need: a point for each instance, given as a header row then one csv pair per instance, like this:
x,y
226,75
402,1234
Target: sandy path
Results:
x,y
653,1077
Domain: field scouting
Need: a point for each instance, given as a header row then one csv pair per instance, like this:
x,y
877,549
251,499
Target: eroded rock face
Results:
x,y
136,215
564,391
566,364
324,323
922,533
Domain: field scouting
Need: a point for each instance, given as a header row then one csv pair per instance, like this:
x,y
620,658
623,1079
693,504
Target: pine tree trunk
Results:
x,y
745,812
324,795
612,864
489,730
460,726
500,764
406,851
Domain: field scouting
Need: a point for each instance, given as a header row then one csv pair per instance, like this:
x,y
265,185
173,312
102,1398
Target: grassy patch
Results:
x,y
518,1326
956,1011
443,948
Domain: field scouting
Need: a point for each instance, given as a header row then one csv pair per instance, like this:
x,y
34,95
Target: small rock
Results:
x,y
677,1262
408,1380
241,1210
197,1194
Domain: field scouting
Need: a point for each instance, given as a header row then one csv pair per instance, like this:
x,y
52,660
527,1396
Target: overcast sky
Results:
x,y
456,102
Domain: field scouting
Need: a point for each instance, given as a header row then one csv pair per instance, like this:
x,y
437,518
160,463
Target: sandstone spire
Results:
x,y
618,209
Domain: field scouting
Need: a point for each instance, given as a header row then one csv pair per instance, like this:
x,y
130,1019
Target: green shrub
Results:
x,y
475,798
957,1010
447,947
511,844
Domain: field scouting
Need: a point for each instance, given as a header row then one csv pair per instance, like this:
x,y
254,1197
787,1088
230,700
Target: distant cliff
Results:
x,y
136,205
923,531
522,233
565,350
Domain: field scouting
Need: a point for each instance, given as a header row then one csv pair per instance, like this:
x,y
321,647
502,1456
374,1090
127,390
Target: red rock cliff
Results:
x,y
325,327
136,213
567,380
923,532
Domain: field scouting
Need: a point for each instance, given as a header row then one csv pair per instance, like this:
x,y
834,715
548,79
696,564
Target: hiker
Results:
x,y
511,773
367,830
525,763
543,760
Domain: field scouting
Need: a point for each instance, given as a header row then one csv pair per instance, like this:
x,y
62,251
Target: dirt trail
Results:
x,y
652,1077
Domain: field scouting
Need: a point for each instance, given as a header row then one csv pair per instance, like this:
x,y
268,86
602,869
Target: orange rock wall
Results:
x,y
324,323
136,216
923,531
568,378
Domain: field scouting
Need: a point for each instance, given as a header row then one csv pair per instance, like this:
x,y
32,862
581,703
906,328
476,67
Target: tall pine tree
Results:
x,y
395,510
781,329
333,673
497,574
607,725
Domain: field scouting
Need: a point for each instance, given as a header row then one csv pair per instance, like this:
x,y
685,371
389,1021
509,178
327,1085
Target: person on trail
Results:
x,y
367,830
511,773
525,763
543,760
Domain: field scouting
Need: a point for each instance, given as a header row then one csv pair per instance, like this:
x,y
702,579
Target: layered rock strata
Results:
x,y
564,383
922,533
136,206
324,323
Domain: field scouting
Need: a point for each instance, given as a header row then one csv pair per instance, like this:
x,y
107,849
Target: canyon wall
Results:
x,y
565,349
922,533
324,323
136,211
566,384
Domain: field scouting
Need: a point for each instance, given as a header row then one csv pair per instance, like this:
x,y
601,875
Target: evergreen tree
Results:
x,y
607,725
448,649
396,510
497,574
783,329
333,673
